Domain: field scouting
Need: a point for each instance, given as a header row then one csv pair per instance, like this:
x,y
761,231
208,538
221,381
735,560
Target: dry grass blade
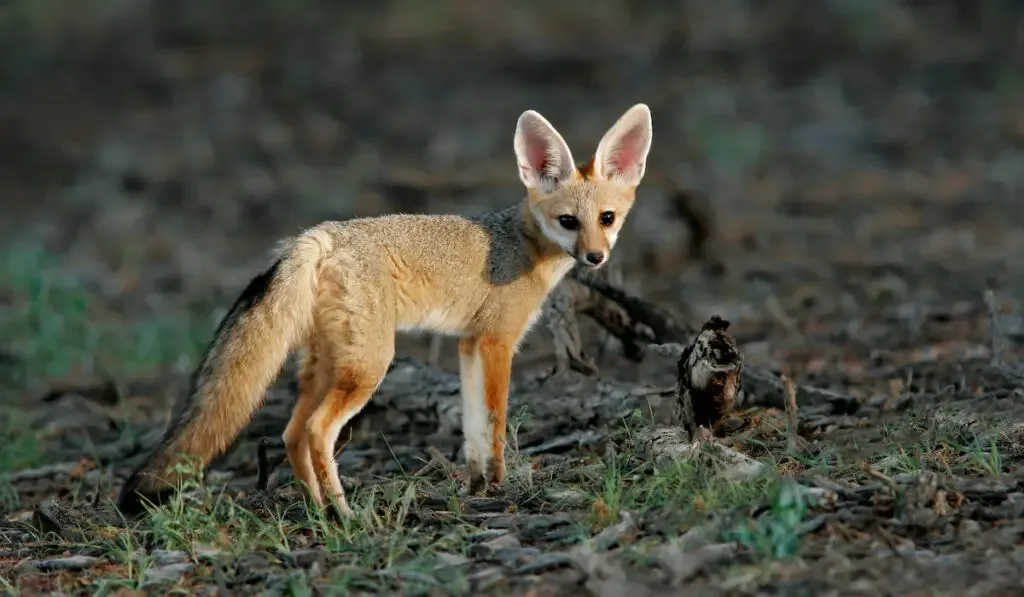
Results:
x,y
791,415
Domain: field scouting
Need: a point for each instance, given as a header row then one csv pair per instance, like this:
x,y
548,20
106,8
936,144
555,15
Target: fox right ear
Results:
x,y
543,155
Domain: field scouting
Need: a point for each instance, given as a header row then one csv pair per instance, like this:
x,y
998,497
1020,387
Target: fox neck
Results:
x,y
549,259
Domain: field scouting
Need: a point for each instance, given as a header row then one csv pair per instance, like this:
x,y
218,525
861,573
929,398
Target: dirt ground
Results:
x,y
834,179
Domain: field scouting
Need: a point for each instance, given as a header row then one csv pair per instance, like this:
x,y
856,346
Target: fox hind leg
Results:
x,y
361,360
313,379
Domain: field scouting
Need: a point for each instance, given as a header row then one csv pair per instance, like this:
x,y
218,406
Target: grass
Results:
x,y
949,443
53,326
681,493
393,543
20,450
776,533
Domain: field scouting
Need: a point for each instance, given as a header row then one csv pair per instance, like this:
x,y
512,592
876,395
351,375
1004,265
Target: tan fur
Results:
x,y
341,290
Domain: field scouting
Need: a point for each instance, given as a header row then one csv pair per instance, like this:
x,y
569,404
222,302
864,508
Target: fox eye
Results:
x,y
569,222
607,218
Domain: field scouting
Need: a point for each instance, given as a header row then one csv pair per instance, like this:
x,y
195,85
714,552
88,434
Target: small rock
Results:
x,y
253,561
544,563
500,542
969,527
516,556
485,535
206,553
447,559
164,557
921,517
68,563
922,490
683,565
166,574
568,497
304,558
487,578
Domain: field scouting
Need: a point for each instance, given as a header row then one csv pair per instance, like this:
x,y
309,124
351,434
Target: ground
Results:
x,y
848,172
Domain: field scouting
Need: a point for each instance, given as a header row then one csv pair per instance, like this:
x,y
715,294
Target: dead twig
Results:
x,y
438,461
661,322
763,387
791,418
878,475
264,464
997,338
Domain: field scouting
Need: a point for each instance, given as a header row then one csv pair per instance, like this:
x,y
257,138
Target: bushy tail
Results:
x,y
270,318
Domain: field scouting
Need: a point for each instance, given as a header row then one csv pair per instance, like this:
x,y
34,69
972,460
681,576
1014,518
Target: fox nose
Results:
x,y
594,258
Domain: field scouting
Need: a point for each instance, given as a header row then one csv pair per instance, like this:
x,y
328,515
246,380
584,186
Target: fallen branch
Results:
x,y
763,387
644,329
661,322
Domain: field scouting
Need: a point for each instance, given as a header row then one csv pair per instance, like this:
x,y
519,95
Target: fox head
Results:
x,y
582,208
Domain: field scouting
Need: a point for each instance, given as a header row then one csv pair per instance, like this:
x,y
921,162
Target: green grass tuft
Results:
x,y
52,326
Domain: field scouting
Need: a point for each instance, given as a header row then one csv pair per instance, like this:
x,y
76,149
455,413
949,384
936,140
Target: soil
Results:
x,y
836,183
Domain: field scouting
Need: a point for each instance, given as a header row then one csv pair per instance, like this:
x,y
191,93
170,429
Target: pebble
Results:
x,y
304,558
447,559
485,535
165,557
490,547
543,563
486,578
68,563
166,574
206,553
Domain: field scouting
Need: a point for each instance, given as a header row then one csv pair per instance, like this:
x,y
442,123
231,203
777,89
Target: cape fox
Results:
x,y
341,290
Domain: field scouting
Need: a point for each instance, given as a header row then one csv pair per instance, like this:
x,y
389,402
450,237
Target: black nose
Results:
x,y
594,258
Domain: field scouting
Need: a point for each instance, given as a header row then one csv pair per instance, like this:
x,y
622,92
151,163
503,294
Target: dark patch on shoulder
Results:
x,y
586,170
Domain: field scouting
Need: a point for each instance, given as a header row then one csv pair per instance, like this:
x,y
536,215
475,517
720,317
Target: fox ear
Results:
x,y
622,153
543,155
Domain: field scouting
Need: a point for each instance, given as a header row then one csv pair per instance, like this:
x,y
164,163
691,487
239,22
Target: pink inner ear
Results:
x,y
626,153
537,154
538,159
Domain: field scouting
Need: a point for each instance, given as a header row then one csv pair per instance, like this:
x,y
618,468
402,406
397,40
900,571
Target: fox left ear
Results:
x,y
622,153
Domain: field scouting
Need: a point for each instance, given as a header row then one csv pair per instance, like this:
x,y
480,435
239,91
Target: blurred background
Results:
x,y
811,158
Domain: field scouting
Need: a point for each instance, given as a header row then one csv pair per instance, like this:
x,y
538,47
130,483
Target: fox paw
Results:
x,y
496,472
338,510
481,475
477,473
